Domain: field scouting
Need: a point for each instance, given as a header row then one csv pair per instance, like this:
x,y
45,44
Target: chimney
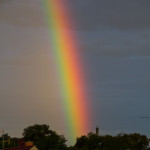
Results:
x,y
97,131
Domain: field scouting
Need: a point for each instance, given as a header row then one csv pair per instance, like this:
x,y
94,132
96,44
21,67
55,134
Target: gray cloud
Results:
x,y
87,14
119,14
115,43
114,39
22,13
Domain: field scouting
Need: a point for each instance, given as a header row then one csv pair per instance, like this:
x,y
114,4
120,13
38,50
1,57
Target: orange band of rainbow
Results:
x,y
69,67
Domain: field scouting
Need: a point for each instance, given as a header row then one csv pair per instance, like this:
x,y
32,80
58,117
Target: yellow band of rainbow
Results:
x,y
70,71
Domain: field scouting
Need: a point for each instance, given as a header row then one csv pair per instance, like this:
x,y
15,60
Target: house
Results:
x,y
22,148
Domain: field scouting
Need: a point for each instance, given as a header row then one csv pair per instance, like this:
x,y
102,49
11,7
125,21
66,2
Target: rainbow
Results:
x,y
69,68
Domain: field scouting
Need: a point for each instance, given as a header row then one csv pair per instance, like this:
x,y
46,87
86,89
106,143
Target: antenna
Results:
x,y
145,117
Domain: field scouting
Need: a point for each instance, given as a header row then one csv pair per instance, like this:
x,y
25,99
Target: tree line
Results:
x,y
46,139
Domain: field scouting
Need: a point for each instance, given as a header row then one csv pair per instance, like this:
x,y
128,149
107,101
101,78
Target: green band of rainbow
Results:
x,y
69,67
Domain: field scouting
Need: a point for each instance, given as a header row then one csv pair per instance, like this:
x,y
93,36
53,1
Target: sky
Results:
x,y
115,50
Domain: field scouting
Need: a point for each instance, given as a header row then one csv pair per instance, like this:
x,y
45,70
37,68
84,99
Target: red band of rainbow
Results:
x,y
69,67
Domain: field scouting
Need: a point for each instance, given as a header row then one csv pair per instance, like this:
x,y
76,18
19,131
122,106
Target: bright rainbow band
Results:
x,y
69,67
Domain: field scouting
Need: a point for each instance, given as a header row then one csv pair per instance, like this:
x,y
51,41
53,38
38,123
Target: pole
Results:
x,y
3,137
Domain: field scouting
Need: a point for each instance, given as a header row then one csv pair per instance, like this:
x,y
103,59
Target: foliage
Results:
x,y
94,141
90,142
8,141
44,138
82,142
36,132
125,141
120,142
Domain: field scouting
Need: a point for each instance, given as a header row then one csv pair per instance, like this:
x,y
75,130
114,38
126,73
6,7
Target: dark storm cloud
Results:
x,y
119,14
87,14
116,43
118,28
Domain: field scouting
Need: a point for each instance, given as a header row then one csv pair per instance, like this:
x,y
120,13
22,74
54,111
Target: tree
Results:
x,y
82,142
125,141
119,142
44,138
36,132
94,141
8,141
90,142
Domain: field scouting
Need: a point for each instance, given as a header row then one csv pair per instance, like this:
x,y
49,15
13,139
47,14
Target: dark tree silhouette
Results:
x,y
44,138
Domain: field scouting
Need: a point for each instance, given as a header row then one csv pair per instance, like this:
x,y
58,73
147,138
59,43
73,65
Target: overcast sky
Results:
x,y
114,37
